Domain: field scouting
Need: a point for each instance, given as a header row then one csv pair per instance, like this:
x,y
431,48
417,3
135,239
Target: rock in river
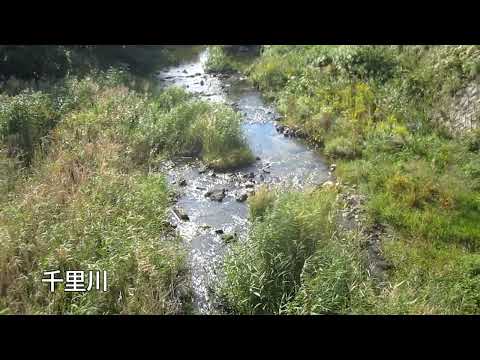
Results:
x,y
182,182
249,185
228,238
181,214
170,225
241,197
216,194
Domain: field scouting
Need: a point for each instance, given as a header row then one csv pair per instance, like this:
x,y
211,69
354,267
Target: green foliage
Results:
x,y
367,63
418,181
260,202
218,60
33,61
334,281
438,279
50,62
24,120
341,147
102,136
271,75
140,60
27,118
143,270
51,220
223,60
264,274
370,108
194,128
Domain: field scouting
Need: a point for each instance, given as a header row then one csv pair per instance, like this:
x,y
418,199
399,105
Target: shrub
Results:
x,y
341,147
143,270
24,120
368,62
263,274
53,223
260,202
195,128
271,74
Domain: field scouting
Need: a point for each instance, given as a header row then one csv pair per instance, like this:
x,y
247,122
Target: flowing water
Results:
x,y
283,161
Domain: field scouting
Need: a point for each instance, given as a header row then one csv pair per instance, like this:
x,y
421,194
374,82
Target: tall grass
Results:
x,y
88,206
272,270
371,109
180,125
77,193
222,61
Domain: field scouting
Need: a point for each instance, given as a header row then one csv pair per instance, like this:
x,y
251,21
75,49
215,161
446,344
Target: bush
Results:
x,y
222,60
218,60
263,274
143,270
341,147
24,120
52,221
271,74
333,281
194,128
260,202
368,62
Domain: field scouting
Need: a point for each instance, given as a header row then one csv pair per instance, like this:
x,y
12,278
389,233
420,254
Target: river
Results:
x,y
282,161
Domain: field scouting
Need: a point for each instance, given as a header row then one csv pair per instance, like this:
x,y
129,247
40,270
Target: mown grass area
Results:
x,y
371,108
77,192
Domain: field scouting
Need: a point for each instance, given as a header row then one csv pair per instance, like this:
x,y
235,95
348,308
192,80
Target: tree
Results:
x,y
36,62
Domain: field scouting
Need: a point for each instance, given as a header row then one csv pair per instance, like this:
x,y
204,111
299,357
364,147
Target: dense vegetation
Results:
x,y
50,62
296,260
78,191
372,110
81,135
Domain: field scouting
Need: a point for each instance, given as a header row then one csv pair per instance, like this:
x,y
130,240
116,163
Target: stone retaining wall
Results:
x,y
463,112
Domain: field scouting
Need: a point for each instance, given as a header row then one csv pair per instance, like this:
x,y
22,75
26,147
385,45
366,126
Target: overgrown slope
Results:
x,y
372,109
78,191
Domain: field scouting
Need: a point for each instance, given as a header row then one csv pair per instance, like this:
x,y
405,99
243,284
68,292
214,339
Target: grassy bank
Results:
x,y
78,193
296,261
372,110
222,61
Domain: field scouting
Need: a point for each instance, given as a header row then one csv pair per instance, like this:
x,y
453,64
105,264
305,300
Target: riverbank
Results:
x,y
373,112
79,191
